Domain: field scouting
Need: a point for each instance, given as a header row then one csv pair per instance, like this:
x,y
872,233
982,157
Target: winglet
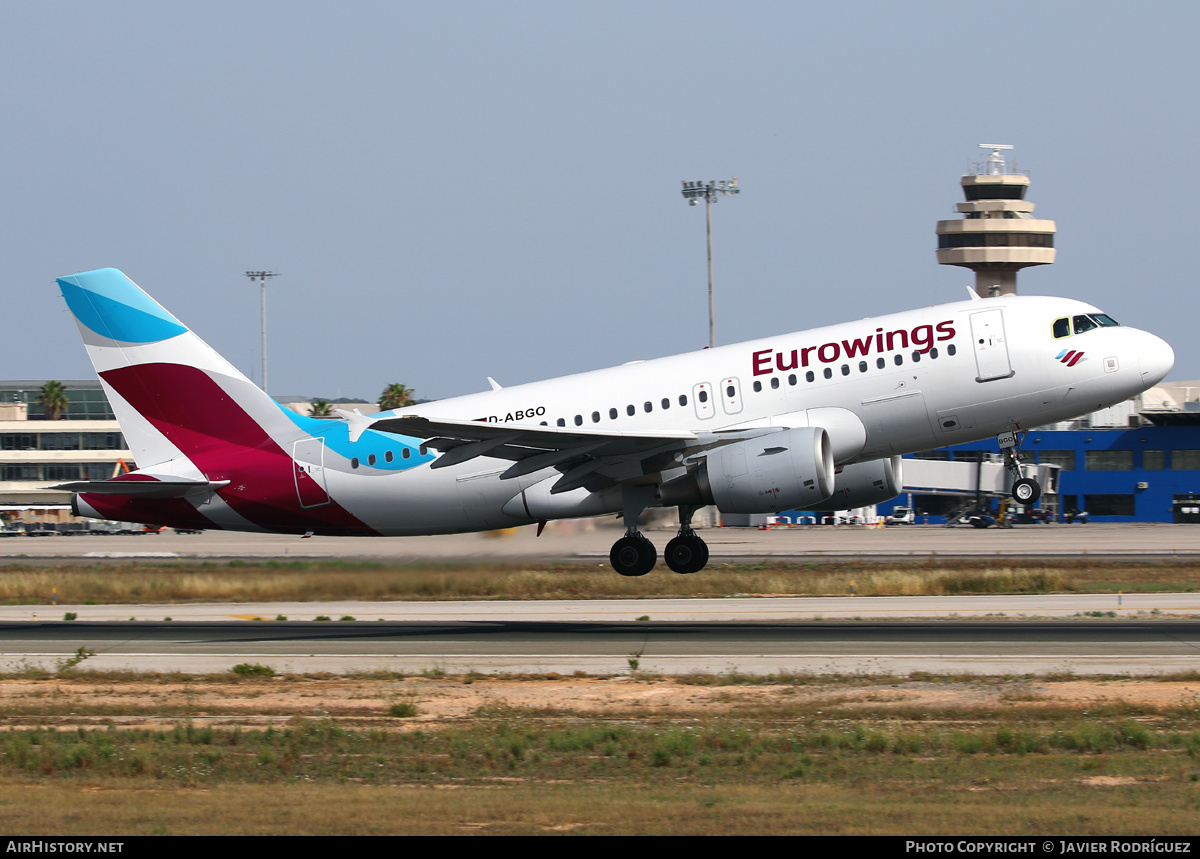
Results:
x,y
496,386
359,423
974,295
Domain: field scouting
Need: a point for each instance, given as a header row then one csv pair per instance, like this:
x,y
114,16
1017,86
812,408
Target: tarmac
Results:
x,y
586,541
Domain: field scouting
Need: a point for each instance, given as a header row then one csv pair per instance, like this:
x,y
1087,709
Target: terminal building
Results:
x,y
84,443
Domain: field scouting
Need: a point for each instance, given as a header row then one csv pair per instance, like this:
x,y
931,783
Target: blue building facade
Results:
x,y
1145,474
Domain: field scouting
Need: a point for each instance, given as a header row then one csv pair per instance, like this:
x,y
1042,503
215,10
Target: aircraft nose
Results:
x,y
1156,358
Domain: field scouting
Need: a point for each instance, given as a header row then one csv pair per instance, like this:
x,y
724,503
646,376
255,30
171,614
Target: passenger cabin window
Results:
x,y
612,413
1062,327
703,396
774,383
666,402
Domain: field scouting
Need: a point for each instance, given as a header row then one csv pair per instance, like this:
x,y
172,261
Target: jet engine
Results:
x,y
865,483
777,471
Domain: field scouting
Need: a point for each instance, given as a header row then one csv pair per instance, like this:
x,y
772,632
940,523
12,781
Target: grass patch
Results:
x,y
310,581
812,756
253,669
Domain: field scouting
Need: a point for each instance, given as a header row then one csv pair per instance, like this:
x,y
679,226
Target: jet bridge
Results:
x,y
983,479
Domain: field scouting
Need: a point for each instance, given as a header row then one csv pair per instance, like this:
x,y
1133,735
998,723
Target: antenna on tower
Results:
x,y
996,160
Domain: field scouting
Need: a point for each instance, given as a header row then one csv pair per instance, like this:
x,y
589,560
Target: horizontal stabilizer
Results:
x,y
143,488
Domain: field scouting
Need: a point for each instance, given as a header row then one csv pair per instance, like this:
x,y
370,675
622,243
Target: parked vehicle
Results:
x,y
902,516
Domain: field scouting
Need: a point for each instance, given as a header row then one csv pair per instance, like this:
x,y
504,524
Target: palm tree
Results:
x,y
320,409
53,397
395,396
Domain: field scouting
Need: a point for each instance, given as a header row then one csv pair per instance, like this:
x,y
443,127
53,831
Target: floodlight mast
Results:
x,y
262,277
710,191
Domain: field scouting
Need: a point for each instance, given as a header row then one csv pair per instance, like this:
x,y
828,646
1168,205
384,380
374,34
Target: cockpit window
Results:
x,y
1062,327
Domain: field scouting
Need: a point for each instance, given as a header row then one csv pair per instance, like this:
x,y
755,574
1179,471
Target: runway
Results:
x,y
1130,647
1132,634
585,541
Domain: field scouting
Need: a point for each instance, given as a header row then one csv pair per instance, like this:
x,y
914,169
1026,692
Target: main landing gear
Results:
x,y
634,555
686,553
1025,490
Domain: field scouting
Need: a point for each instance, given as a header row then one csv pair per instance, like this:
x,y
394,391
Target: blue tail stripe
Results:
x,y
111,305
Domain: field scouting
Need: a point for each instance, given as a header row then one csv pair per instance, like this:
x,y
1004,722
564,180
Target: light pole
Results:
x,y
262,277
693,192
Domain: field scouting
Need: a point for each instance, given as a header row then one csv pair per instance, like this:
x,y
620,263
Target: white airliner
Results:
x,y
811,420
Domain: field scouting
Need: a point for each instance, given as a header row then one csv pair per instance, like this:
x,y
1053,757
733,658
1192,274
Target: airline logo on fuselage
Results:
x,y
921,337
1070,358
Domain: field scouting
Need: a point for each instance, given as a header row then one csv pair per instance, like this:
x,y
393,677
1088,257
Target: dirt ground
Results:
x,y
84,701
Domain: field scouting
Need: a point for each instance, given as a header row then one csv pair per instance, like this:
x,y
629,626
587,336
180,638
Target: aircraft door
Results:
x,y
991,349
702,398
308,468
731,396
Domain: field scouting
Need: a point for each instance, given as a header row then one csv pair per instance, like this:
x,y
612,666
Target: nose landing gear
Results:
x,y
1025,490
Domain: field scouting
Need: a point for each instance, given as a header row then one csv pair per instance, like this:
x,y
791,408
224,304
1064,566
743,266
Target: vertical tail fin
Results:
x,y
171,392
193,421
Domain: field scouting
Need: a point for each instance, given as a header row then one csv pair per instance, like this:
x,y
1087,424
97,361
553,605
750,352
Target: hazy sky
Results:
x,y
461,189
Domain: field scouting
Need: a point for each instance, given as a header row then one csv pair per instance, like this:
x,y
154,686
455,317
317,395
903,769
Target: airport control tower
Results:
x,y
998,235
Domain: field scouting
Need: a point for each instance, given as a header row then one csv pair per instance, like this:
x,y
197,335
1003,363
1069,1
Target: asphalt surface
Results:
x,y
1132,634
585,541
1126,646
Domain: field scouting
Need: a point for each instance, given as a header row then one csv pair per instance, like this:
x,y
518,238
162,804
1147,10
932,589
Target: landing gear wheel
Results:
x,y
1026,491
633,555
686,554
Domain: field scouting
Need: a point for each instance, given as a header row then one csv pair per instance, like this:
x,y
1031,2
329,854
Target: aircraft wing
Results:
x,y
591,458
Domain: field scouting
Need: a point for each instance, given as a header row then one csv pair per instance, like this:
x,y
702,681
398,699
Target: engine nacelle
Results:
x,y
778,471
865,483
